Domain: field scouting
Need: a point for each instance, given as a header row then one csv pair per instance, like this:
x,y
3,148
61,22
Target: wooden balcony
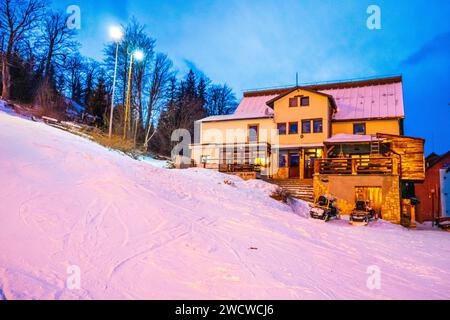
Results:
x,y
362,166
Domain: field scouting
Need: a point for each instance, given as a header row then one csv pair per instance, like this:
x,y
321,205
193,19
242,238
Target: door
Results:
x,y
372,194
294,165
310,158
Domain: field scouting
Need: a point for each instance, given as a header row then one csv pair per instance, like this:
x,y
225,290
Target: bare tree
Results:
x,y
74,71
140,41
17,18
56,39
93,72
160,76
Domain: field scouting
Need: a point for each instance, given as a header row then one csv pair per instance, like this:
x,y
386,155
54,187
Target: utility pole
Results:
x,y
113,92
127,103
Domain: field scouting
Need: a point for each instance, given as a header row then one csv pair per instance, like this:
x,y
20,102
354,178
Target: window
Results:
x,y
253,133
293,128
304,101
306,126
318,126
359,128
282,129
293,102
282,160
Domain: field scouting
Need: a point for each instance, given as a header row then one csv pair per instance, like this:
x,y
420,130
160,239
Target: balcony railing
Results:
x,y
351,166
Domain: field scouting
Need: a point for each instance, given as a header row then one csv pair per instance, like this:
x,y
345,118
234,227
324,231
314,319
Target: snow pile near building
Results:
x,y
137,231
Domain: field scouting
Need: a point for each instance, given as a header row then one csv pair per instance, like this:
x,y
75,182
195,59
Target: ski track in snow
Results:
x,y
141,232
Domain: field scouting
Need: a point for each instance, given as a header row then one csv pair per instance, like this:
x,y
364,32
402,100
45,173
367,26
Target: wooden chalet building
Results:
x,y
345,138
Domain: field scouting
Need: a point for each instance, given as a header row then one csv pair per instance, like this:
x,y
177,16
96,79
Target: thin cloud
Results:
x,y
440,45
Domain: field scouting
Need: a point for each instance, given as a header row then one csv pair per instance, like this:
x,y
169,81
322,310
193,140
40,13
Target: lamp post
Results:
x,y
139,56
117,35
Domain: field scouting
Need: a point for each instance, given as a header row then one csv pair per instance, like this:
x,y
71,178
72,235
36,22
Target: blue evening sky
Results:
x,y
260,43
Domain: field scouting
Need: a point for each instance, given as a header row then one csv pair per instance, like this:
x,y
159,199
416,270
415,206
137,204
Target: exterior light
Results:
x,y
138,55
116,33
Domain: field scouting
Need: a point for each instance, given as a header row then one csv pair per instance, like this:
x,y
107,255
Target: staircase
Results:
x,y
300,189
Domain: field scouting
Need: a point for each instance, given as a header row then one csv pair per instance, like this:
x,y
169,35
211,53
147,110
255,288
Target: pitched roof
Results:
x,y
369,102
249,108
271,102
434,159
326,86
355,100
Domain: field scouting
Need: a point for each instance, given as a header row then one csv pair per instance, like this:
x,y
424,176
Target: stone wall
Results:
x,y
343,188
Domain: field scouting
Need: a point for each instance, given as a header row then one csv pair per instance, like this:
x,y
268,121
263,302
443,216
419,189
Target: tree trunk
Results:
x,y
6,78
48,61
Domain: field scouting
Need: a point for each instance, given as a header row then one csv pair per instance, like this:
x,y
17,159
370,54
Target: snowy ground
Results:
x,y
137,231
163,164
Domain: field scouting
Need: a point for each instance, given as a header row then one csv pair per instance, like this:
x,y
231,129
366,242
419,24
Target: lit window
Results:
x,y
306,126
359,128
318,126
293,128
282,128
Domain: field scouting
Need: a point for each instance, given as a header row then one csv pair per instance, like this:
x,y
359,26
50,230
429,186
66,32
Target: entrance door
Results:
x,y
310,157
294,165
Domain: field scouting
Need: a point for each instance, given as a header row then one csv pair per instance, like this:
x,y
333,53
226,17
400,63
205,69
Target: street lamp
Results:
x,y
139,56
116,34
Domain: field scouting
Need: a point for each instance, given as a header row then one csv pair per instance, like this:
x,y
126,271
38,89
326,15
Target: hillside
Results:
x,y
141,232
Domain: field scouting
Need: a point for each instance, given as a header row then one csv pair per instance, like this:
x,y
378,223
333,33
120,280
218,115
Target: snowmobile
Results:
x,y
362,214
324,209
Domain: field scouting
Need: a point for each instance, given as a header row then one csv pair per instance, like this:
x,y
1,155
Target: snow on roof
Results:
x,y
298,146
249,108
374,99
352,138
368,102
255,105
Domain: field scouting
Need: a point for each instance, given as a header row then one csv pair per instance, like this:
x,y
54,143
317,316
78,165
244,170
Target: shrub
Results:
x,y
281,194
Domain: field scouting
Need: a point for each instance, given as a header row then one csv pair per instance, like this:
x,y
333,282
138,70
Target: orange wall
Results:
x,y
372,126
319,108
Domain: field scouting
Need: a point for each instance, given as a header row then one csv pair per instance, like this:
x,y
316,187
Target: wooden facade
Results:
x,y
411,155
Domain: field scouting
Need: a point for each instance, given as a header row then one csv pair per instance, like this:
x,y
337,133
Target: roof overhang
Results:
x,y
298,146
233,117
328,85
271,102
352,139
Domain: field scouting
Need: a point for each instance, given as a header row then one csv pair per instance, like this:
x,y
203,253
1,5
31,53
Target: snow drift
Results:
x,y
136,231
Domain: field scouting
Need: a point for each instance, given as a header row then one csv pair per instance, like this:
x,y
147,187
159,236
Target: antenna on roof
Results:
x,y
296,79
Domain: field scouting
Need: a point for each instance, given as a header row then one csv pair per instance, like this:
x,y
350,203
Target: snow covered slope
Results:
x,y
137,231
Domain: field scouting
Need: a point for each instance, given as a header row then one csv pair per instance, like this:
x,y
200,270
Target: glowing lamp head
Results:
x,y
116,33
138,55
